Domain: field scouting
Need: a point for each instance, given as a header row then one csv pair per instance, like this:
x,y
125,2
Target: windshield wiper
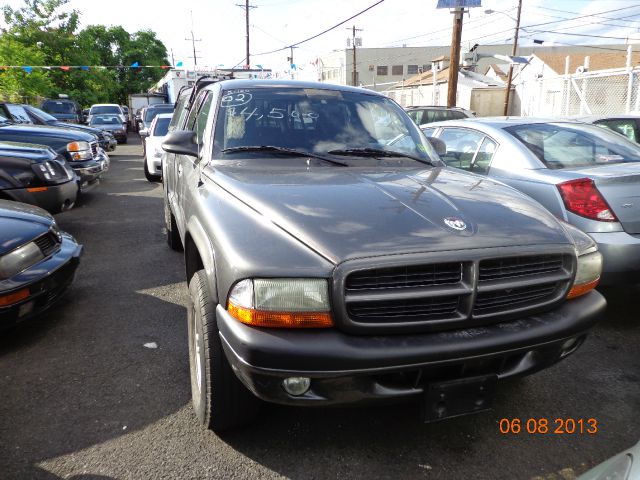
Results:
x,y
286,151
376,152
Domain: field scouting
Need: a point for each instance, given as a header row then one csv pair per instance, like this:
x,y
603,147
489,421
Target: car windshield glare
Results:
x,y
314,120
105,121
566,145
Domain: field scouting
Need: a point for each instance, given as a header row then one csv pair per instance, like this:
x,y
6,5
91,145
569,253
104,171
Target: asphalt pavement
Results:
x,y
98,388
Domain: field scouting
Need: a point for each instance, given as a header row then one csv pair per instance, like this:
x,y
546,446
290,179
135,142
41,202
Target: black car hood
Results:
x,y
76,126
62,133
21,223
28,151
345,213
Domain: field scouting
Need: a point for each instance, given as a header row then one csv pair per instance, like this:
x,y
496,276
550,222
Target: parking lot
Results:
x,y
99,387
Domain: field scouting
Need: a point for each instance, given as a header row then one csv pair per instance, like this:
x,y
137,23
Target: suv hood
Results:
x,y
66,134
21,223
346,213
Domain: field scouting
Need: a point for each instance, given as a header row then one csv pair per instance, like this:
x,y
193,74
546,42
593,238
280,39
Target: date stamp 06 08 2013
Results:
x,y
546,426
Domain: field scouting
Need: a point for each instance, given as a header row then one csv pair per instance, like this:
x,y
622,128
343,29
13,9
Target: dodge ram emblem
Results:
x,y
455,223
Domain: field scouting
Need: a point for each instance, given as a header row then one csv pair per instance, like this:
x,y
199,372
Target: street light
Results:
x,y
513,53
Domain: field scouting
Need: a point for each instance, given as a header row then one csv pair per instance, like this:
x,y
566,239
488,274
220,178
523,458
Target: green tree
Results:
x,y
49,34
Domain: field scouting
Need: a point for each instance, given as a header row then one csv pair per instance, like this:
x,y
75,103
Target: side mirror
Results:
x,y
144,132
181,142
439,146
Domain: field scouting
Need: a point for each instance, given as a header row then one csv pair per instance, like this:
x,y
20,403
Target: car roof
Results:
x,y
501,122
164,115
105,105
264,83
160,105
595,118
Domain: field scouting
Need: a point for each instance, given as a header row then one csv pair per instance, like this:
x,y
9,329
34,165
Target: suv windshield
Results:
x,y
59,106
567,145
151,112
318,121
102,109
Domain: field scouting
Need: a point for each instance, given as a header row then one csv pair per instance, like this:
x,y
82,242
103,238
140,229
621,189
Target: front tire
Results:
x,y
149,176
220,400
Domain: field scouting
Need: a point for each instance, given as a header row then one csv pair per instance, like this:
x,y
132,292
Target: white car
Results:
x,y
153,146
107,109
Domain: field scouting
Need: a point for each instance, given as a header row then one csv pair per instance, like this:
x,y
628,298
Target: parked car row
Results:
x,y
45,162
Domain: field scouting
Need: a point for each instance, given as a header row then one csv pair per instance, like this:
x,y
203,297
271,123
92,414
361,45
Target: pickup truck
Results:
x,y
80,149
329,263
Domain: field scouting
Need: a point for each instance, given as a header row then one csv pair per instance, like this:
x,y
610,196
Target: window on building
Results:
x,y
412,69
426,67
397,70
382,70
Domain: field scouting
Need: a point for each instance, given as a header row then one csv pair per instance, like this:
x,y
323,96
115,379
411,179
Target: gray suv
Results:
x,y
327,266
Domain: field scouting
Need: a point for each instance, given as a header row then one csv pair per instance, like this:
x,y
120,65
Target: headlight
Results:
x,y
281,303
79,150
589,265
50,172
19,259
587,274
157,153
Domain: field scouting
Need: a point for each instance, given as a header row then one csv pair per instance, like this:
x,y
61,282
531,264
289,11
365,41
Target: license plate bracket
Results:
x,y
458,397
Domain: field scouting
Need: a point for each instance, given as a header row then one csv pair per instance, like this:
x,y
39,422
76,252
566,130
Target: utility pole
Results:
x,y
354,73
290,60
247,7
454,61
513,54
173,61
193,41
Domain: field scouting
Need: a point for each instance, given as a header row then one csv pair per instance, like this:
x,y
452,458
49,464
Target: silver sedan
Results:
x,y
584,174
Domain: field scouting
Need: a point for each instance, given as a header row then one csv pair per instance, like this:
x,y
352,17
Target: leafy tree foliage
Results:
x,y
47,32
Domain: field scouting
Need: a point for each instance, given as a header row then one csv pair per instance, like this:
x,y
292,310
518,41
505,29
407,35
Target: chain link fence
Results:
x,y
597,93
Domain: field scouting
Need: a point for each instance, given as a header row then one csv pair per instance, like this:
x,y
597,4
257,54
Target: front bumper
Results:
x,y
357,368
89,171
46,282
620,257
54,199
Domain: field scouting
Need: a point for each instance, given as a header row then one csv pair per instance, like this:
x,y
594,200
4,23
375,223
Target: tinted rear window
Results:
x,y
151,113
105,109
566,145
60,107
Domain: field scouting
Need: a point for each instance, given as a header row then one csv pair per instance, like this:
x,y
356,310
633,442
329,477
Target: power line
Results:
x,y
578,13
323,32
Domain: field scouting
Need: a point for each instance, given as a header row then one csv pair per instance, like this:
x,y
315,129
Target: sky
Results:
x,y
219,25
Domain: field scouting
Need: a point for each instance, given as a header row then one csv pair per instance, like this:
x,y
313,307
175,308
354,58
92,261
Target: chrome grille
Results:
x,y
47,243
439,295
404,277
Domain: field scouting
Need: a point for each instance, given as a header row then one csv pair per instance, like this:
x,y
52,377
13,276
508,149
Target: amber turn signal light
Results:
x,y
15,297
262,318
578,290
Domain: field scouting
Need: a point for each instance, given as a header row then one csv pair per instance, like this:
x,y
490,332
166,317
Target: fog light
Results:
x,y
569,346
296,385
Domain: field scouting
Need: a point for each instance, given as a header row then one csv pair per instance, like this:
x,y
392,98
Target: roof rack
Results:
x,y
202,82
